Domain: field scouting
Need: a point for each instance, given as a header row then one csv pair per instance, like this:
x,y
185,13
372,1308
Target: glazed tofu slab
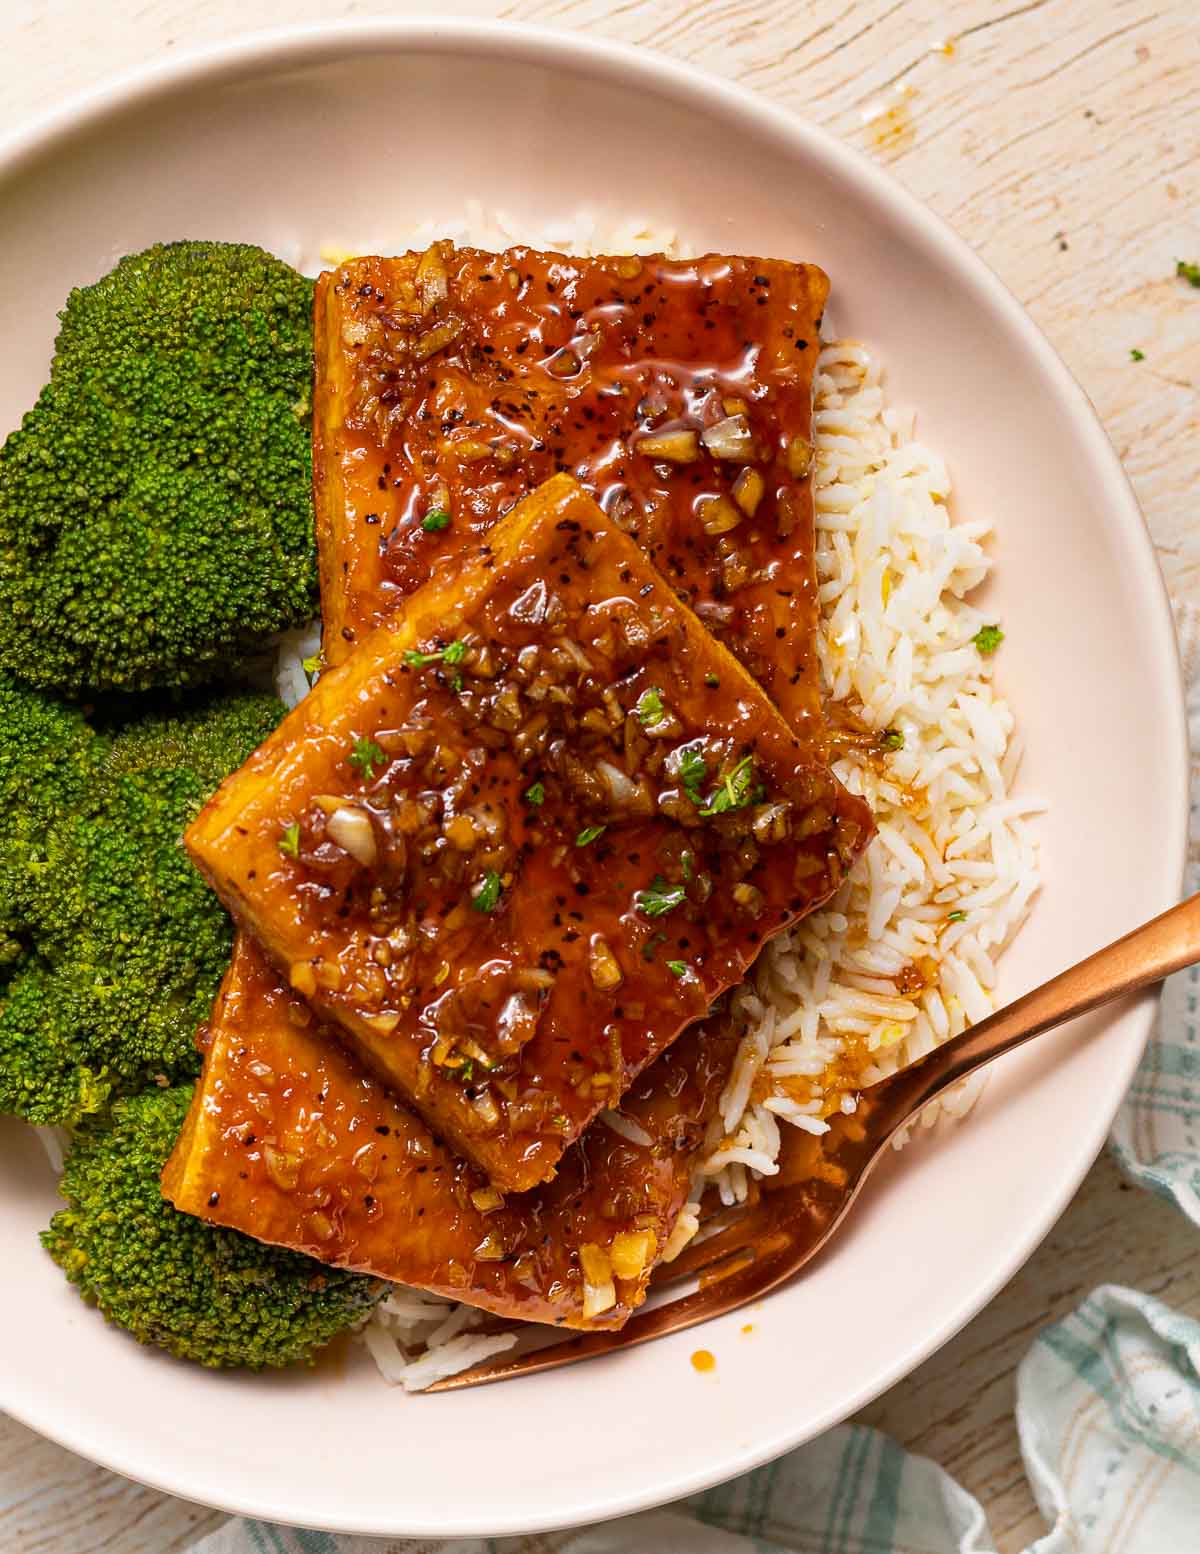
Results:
x,y
530,829
290,1141
449,384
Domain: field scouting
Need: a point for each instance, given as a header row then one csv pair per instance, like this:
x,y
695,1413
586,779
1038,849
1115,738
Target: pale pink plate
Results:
x,y
352,135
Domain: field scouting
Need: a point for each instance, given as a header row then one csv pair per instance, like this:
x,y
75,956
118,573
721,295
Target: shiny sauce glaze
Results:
x,y
531,829
679,392
289,1140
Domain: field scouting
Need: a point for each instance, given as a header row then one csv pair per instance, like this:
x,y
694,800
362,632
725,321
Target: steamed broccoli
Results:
x,y
119,944
48,758
203,1293
155,504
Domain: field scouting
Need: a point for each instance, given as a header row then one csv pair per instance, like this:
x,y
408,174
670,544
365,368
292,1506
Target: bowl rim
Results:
x,y
315,43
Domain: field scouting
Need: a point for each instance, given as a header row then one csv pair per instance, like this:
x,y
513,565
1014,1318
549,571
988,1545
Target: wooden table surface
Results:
x,y
1062,139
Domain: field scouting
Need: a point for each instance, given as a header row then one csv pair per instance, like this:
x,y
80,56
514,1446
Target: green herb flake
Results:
x,y
686,862
311,666
454,654
1137,356
891,739
987,639
735,792
957,917
1188,272
465,1072
589,834
435,520
289,840
659,897
713,681
365,756
487,897
650,948
650,708
677,968
456,683
535,793
693,773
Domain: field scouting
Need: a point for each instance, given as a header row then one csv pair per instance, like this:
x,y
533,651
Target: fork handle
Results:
x,y
1145,956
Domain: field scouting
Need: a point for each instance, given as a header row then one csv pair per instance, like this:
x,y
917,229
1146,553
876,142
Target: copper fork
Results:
x,y
749,1252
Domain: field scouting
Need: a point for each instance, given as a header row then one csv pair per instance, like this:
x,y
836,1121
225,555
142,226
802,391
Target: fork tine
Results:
x,y
758,1249
747,1283
699,1256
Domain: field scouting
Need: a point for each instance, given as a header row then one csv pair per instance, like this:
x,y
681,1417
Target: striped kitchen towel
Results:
x,y
1108,1399
1156,1137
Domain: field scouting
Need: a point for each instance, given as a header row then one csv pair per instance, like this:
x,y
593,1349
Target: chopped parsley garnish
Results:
x,y
487,897
650,708
311,666
735,792
891,739
465,1071
685,862
693,773
456,683
651,945
589,834
1137,356
435,520
535,793
454,654
987,639
365,756
1188,272
678,968
957,917
289,840
659,897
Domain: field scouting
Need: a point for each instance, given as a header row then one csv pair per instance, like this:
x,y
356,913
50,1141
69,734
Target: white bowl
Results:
x,y
351,134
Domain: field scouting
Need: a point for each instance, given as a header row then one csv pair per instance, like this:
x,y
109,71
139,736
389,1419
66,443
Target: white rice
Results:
x,y
492,229
292,649
896,647
894,571
416,1339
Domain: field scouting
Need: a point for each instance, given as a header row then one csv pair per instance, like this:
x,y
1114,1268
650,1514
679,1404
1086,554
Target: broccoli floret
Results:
x,y
201,1292
48,760
155,504
43,1074
208,738
123,946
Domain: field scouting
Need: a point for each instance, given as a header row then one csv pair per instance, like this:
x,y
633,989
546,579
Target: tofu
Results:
x,y
533,826
450,384
290,1141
